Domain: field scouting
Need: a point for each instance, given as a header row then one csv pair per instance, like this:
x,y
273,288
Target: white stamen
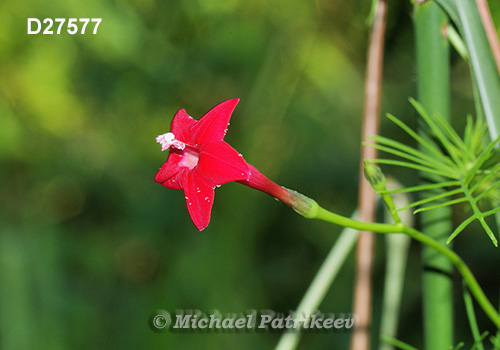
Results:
x,y
168,140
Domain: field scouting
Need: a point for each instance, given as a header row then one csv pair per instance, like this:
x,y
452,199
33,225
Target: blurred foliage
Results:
x,y
90,245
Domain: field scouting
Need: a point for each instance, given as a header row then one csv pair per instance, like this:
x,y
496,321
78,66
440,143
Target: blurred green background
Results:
x,y
91,246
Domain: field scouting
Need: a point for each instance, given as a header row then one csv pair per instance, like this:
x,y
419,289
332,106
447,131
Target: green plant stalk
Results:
x,y
397,248
469,307
319,213
433,92
320,284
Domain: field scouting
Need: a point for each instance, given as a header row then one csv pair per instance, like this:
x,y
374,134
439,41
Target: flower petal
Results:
x,y
212,126
199,200
181,126
171,174
219,163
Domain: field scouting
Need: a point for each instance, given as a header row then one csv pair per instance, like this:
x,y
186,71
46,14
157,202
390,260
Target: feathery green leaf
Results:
x,y
468,168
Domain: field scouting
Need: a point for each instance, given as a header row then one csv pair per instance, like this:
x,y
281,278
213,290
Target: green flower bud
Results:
x,y
375,176
303,205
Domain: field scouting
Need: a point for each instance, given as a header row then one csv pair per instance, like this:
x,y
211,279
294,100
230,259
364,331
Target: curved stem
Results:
x,y
328,216
463,269
325,215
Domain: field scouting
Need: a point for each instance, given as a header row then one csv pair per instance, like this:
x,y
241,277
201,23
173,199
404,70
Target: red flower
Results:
x,y
200,160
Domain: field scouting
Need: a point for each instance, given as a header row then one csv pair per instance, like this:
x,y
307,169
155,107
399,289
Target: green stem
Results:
x,y
322,214
396,251
469,308
328,216
462,268
391,207
433,86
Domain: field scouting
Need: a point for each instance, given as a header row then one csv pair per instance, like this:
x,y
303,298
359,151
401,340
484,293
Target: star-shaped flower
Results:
x,y
200,160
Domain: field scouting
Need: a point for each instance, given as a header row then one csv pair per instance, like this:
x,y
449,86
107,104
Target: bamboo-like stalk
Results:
x,y
433,93
367,197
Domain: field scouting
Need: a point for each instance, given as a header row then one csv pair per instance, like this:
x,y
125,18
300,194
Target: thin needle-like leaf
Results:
x,y
479,134
414,166
490,212
460,228
450,132
477,213
432,199
403,155
488,231
423,187
478,343
437,132
441,205
495,340
400,146
426,144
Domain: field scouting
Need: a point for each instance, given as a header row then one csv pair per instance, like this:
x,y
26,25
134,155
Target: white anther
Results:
x,y
168,140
